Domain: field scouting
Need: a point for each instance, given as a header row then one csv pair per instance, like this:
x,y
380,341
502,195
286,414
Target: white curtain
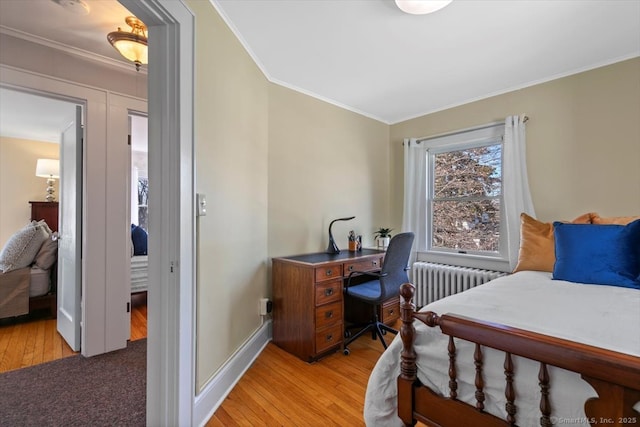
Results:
x,y
415,194
517,197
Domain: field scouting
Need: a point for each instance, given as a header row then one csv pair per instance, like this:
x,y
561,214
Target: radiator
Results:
x,y
435,281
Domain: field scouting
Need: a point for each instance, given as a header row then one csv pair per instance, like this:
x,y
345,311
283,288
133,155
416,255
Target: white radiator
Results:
x,y
435,281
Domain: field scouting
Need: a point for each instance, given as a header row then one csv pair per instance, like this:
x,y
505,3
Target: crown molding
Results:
x,y
94,57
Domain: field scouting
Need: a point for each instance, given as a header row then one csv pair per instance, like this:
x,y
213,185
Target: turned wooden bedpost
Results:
x,y
408,369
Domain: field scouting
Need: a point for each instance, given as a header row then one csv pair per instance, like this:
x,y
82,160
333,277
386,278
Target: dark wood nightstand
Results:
x,y
47,211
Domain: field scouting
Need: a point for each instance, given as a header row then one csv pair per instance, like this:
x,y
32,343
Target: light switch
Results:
x,y
201,201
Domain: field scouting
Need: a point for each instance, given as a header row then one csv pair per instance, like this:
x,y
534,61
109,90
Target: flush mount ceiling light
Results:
x,y
132,45
421,7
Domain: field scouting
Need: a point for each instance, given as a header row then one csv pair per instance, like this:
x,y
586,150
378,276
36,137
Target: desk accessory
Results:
x,y
333,248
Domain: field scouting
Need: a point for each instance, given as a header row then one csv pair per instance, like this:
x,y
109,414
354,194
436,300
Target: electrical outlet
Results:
x,y
264,306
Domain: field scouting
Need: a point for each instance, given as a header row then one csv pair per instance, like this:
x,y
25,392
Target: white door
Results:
x,y
70,230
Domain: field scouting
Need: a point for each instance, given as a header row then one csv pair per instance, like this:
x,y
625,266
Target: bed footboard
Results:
x,y
614,376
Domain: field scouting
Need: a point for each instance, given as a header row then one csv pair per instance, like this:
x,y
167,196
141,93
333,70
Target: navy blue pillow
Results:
x,y
139,239
603,254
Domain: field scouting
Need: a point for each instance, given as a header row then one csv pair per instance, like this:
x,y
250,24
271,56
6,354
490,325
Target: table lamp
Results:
x,y
50,169
333,248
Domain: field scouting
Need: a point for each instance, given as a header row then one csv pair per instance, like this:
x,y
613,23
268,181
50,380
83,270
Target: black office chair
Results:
x,y
383,286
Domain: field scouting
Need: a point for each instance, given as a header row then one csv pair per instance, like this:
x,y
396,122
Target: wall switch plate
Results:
x,y
201,202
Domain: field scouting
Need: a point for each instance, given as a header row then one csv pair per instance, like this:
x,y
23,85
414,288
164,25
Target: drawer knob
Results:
x,y
328,292
375,263
329,272
330,337
329,314
391,311
351,268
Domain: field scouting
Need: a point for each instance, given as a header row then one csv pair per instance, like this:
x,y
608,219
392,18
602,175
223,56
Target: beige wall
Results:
x,y
276,167
19,183
231,169
324,163
583,141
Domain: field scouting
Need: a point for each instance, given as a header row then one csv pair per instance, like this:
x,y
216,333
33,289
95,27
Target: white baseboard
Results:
x,y
214,393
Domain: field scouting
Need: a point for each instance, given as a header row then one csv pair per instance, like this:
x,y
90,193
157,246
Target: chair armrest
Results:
x,y
366,273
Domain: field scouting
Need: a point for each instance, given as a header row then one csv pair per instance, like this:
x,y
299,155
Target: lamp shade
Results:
x,y
421,7
48,168
131,47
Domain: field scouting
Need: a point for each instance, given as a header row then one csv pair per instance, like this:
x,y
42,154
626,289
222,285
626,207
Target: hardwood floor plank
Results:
x,y
38,344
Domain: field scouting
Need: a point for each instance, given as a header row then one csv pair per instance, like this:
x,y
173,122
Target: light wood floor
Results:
x,y
28,341
281,390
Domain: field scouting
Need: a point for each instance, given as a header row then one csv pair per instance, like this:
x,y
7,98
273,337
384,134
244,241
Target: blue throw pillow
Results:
x,y
603,254
139,239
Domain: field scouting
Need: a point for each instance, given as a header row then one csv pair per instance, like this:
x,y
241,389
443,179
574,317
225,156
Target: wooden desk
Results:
x,y
308,304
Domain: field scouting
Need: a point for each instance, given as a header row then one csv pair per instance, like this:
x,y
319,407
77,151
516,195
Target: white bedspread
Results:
x,y
602,316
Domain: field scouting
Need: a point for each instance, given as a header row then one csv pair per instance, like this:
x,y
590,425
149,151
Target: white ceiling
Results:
x,y
33,117
369,57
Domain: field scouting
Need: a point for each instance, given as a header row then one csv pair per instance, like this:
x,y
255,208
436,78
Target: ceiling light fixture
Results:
x,y
421,7
132,45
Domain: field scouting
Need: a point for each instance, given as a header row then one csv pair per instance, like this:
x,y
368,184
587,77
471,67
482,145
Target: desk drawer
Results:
x,y
368,265
328,337
328,273
328,292
329,314
390,311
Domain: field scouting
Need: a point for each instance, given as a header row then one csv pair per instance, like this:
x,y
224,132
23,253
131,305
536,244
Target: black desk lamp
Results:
x,y
333,248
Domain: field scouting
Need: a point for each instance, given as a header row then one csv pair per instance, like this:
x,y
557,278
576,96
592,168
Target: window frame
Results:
x,y
491,134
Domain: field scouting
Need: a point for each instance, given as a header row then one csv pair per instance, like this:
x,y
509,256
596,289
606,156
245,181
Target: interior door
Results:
x,y
70,231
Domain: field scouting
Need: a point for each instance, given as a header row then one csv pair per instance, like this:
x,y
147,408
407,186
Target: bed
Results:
x,y
139,273
28,271
27,289
474,358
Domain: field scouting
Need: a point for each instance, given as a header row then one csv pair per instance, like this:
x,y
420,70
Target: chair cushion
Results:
x,y
368,291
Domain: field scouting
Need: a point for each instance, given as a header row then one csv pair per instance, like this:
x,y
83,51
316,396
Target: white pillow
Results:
x,y
44,224
21,248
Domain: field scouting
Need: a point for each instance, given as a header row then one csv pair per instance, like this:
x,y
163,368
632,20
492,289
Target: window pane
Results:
x,y
469,172
467,225
143,202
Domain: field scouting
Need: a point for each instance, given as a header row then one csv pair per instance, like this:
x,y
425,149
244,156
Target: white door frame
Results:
x,y
171,315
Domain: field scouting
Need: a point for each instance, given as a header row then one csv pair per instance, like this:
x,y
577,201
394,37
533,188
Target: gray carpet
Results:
x,y
104,390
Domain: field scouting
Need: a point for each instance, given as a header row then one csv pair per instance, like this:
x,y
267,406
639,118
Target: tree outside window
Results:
x,y
143,203
466,199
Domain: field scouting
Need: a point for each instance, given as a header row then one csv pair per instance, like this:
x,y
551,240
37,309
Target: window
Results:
x,y
465,198
464,192
143,203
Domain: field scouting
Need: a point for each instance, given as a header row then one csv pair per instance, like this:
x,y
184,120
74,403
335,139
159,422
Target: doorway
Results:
x,y
36,129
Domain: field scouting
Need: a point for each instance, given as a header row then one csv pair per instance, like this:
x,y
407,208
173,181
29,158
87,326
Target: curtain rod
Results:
x,y
473,128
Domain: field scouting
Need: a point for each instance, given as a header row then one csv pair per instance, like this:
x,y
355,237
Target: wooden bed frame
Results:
x,y
614,376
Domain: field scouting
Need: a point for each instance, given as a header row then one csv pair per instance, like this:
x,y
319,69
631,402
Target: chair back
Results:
x,y
394,268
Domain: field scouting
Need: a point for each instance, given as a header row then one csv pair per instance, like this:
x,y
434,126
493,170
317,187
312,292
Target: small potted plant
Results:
x,y
382,236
